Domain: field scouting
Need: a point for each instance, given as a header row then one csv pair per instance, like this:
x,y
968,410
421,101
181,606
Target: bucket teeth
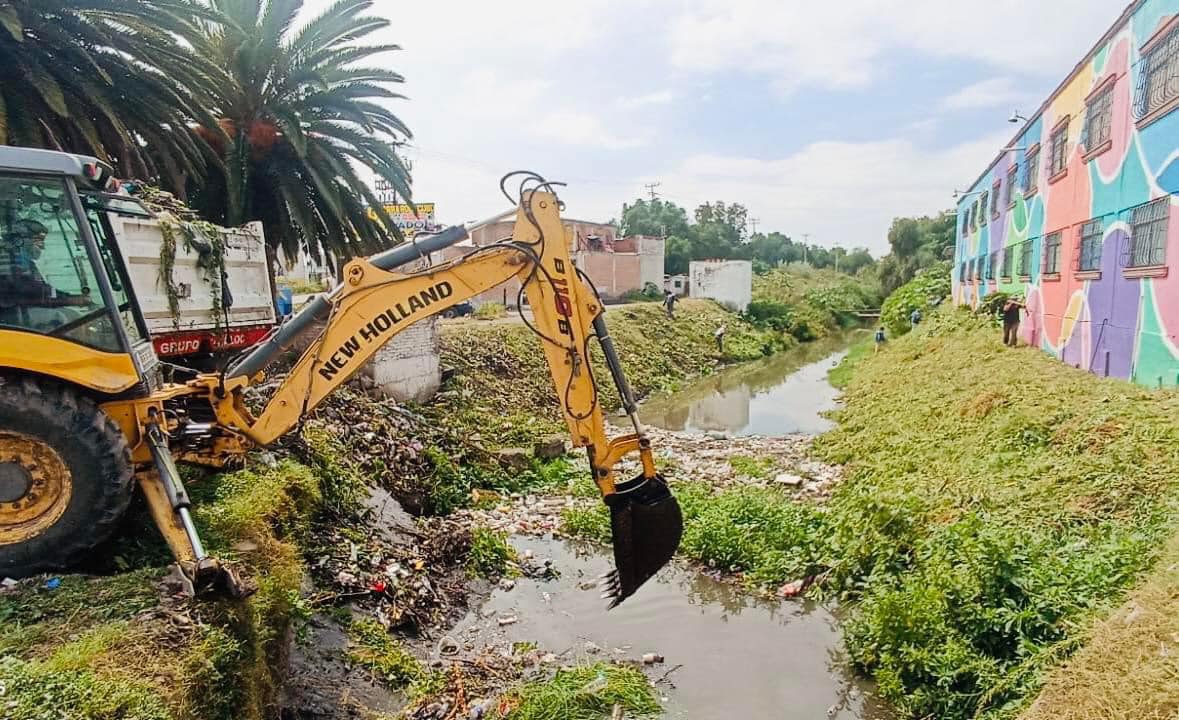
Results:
x,y
645,525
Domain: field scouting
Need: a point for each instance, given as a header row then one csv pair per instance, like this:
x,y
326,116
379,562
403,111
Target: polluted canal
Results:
x,y
721,651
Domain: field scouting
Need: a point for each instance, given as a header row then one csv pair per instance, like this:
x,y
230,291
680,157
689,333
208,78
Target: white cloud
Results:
x,y
660,97
839,192
846,44
583,128
986,94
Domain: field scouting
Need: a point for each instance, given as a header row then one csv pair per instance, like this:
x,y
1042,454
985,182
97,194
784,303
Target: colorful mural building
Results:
x,y
1078,213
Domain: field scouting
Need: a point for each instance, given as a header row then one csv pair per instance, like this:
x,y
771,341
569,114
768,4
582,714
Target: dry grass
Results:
x,y
1129,667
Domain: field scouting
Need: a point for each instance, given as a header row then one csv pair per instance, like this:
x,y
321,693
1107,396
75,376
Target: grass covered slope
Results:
x,y
810,303
116,647
996,502
1129,667
502,370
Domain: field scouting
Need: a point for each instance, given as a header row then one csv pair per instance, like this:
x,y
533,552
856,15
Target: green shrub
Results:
x,y
923,292
372,647
650,292
586,693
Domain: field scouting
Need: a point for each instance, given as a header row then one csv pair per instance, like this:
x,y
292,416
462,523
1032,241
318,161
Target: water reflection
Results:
x,y
742,656
784,394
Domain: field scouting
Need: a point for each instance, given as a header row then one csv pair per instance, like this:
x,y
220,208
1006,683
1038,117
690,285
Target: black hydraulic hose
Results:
x,y
321,307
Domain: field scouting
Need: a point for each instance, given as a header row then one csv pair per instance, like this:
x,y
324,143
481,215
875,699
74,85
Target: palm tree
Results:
x,y
299,113
107,78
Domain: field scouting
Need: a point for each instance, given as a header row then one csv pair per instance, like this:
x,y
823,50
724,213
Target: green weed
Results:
x,y
585,693
751,466
491,555
490,311
373,648
32,692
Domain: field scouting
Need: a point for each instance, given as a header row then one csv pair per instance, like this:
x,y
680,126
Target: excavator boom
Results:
x,y
375,302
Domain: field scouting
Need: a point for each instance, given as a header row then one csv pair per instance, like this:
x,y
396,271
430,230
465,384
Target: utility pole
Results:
x,y
806,239
754,222
651,189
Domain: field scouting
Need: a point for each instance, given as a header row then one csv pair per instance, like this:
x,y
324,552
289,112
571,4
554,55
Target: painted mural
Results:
x,y
1090,238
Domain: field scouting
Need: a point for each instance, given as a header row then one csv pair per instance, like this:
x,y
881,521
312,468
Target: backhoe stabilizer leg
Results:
x,y
169,505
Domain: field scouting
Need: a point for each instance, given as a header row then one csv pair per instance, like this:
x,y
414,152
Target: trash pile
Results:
x,y
783,462
416,585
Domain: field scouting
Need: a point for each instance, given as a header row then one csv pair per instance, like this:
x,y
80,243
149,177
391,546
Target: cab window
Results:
x,y
47,283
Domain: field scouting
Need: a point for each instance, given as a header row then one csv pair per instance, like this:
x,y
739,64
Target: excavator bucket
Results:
x,y
646,525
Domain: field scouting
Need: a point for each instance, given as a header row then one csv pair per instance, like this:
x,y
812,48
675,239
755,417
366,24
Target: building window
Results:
x,y
982,208
965,222
1148,233
1025,258
1009,191
1058,151
992,260
1158,77
1008,258
1031,171
1052,254
1089,257
995,200
1098,120
962,272
974,216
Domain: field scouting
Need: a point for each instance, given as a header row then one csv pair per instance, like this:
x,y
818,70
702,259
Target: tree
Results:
x,y
106,78
299,109
916,243
654,217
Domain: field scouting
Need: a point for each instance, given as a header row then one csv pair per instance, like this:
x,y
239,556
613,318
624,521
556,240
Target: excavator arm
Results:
x,y
375,302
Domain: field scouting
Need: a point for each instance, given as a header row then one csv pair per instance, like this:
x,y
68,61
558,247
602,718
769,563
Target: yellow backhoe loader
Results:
x,y
85,415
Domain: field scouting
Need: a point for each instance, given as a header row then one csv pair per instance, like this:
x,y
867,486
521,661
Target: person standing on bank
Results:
x,y
1011,321
720,339
669,303
879,338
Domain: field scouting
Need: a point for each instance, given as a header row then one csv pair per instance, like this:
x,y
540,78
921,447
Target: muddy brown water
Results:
x,y
727,654
784,394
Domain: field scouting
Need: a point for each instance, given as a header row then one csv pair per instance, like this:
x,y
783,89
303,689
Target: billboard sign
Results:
x,y
410,223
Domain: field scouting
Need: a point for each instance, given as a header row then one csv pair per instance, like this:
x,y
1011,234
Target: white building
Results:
x,y
729,282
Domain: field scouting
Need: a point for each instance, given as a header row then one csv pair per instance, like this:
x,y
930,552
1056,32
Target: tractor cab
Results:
x,y
67,310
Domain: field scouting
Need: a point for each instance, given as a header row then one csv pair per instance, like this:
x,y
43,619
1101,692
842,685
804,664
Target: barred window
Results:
x,y
962,272
1158,76
1058,157
1148,233
1052,253
995,199
965,222
1089,257
992,260
1025,258
982,220
1008,260
1098,119
1031,171
1009,191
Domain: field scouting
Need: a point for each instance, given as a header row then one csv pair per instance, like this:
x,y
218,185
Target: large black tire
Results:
x,y
73,466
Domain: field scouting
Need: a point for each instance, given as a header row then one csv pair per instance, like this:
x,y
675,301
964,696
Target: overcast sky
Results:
x,y
823,117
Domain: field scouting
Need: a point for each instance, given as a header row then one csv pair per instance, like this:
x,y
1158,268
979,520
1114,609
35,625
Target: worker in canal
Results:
x,y
1011,320
879,338
669,303
915,317
720,338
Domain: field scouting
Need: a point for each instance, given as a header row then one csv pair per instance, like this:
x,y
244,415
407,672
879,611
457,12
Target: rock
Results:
x,y
508,620
716,435
506,584
516,459
268,459
447,645
548,658
549,447
591,648
788,479
652,658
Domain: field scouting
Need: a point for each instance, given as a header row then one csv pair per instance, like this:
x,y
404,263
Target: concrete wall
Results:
x,y
677,284
409,367
651,250
1110,309
729,282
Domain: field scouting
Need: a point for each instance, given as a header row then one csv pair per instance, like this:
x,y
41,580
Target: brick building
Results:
x,y
615,265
